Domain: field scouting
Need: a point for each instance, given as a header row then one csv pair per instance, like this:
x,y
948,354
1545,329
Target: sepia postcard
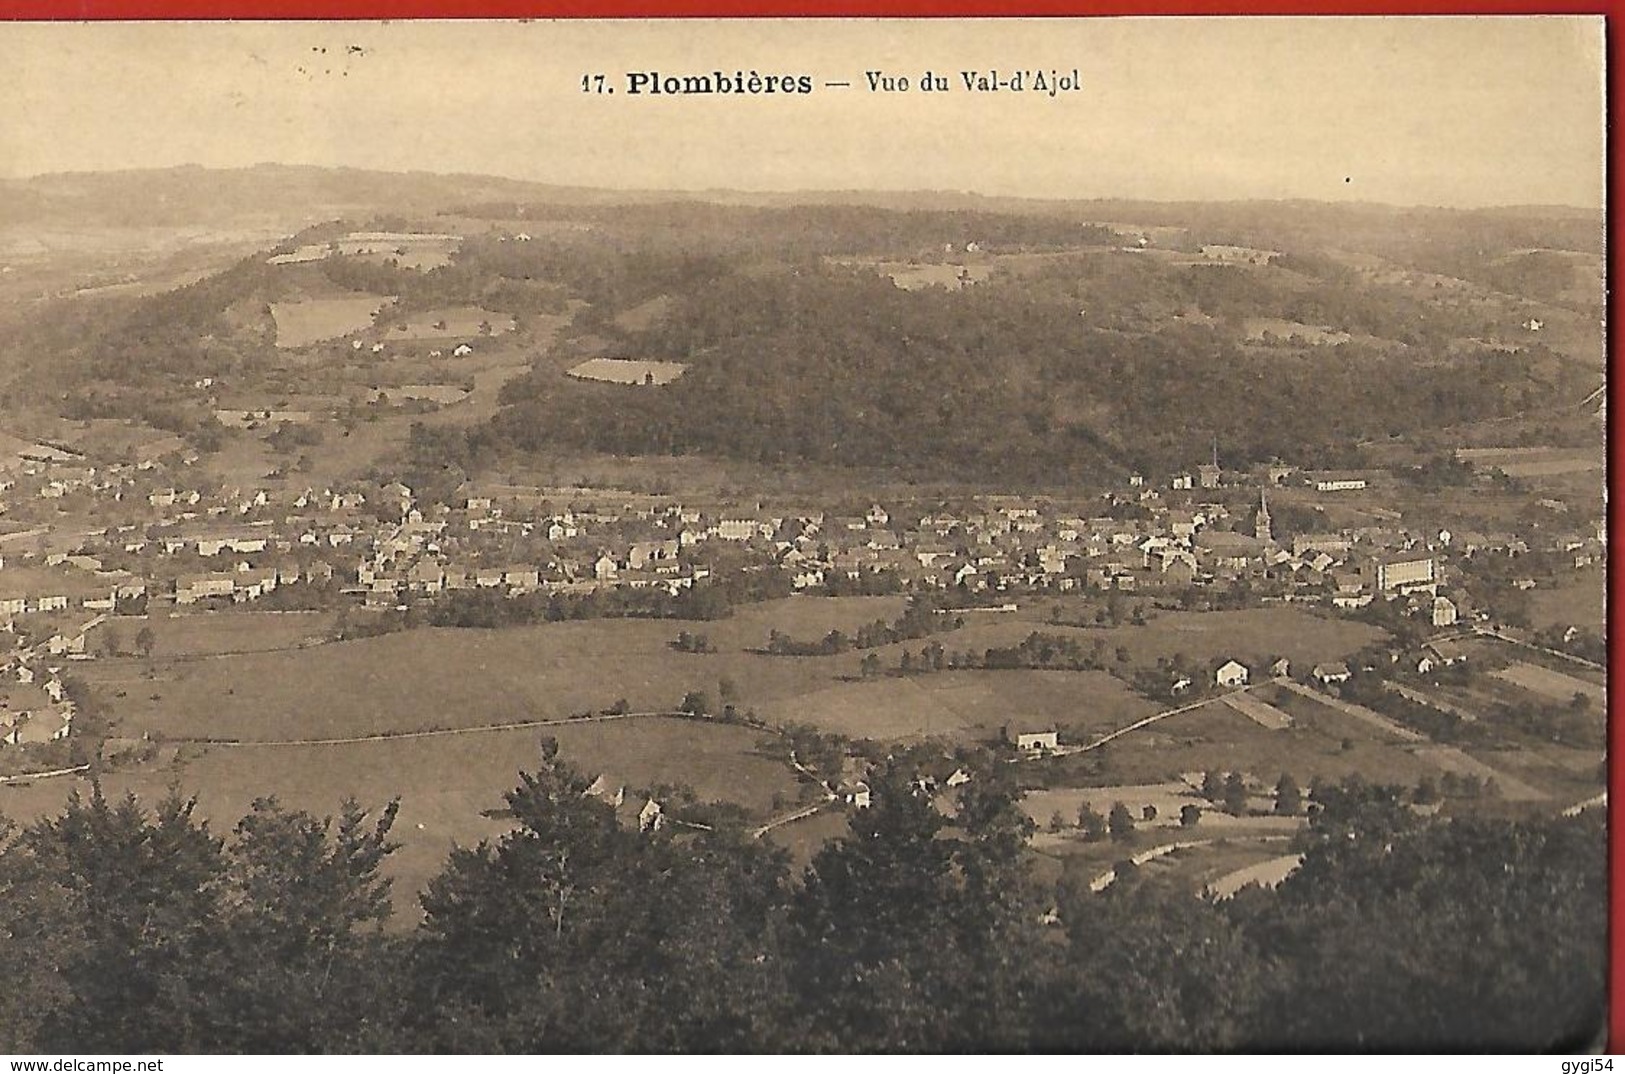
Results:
x,y
780,536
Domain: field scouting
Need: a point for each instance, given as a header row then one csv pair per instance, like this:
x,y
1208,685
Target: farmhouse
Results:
x,y
191,588
651,817
1331,674
643,553
1445,653
243,541
1349,590
426,576
1032,736
1444,612
1231,673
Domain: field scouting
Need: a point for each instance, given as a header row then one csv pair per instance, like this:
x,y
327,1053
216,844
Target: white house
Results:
x,y
1032,737
1331,674
1231,673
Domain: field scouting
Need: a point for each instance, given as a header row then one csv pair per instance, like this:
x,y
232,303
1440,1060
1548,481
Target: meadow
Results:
x,y
1321,742
1577,601
217,634
628,371
313,320
436,678
1255,636
969,705
1549,684
447,323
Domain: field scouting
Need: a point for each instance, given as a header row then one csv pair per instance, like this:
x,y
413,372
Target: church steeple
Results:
x,y
1261,523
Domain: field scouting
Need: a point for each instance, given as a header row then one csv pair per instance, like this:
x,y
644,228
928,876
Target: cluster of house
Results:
x,y
34,705
638,811
200,545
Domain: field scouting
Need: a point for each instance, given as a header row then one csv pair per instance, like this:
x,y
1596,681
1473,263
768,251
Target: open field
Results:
x,y
807,618
1579,601
628,371
219,633
1266,873
1253,636
1296,331
1512,769
1533,461
1450,759
1550,684
968,704
645,315
439,678
449,323
1259,711
1249,636
805,837
1215,736
312,320
914,276
107,437
257,685
1496,652
1192,857
1166,798
1562,773
1375,720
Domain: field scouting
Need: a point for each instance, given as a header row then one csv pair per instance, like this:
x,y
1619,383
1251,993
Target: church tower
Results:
x,y
1261,524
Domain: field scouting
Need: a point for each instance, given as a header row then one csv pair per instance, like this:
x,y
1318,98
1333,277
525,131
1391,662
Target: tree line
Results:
x,y
135,930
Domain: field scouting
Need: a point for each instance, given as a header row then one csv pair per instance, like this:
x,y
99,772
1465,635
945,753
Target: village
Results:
x,y
91,541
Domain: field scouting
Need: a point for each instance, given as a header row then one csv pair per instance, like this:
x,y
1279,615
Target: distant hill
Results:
x,y
1054,339
197,196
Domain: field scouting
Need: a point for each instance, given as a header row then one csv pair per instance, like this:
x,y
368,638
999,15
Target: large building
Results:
x,y
1337,482
1406,572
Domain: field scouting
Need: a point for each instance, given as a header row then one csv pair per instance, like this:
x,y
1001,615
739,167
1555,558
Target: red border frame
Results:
x,y
99,10
684,9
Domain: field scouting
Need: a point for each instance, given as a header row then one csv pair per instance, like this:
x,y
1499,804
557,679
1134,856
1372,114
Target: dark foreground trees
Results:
x,y
926,928
134,932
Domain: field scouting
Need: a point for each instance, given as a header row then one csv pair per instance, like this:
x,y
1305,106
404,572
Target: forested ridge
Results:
x,y
1004,379
1063,356
131,930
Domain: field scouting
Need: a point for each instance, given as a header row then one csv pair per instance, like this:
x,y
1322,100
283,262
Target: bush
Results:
x,y
1092,823
1120,823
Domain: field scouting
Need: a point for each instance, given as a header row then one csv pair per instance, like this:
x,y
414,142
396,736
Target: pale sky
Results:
x,y
1437,111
